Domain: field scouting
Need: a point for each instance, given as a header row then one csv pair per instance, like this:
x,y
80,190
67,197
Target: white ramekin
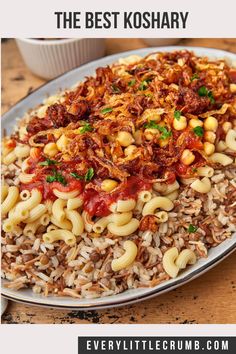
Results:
x,y
155,42
50,58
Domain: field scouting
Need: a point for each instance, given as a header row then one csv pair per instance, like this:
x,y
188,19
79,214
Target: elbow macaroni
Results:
x,y
220,158
127,258
10,200
65,195
58,209
157,203
230,139
60,235
124,230
201,186
169,259
173,261
77,222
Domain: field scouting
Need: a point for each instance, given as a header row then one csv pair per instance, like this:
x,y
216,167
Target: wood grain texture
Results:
x,y
208,299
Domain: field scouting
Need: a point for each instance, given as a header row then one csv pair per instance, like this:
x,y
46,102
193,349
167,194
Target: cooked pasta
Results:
x,y
127,258
77,222
10,200
57,235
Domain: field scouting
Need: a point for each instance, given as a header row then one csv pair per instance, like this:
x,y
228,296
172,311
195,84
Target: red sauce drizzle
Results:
x,y
97,203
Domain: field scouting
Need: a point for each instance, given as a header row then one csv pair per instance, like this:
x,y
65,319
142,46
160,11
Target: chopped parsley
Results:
x,y
131,82
144,85
56,177
177,115
89,174
153,125
194,77
192,228
198,131
148,95
75,175
165,132
87,177
106,110
86,128
48,162
204,92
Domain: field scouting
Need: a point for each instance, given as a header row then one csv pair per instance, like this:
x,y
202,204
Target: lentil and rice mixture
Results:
x,y
142,130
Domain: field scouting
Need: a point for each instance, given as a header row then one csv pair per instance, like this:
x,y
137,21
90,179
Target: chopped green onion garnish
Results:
x,y
143,86
203,91
106,110
153,125
87,177
192,228
48,162
177,115
115,89
56,177
75,175
86,128
89,174
132,82
194,77
198,131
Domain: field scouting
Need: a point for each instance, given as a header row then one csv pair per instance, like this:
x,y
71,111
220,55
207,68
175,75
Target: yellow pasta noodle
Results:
x,y
127,258
4,192
58,209
74,203
22,151
88,223
36,213
201,186
168,261
185,257
173,195
145,196
9,158
10,200
26,177
230,139
220,158
25,194
44,219
205,171
30,229
124,230
60,235
77,222
157,203
162,216
64,224
65,195
125,205
117,218
33,201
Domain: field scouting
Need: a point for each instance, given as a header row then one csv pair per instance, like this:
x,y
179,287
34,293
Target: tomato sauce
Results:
x,y
40,183
98,203
193,142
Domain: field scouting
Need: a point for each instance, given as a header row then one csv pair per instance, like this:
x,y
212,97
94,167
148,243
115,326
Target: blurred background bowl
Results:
x,y
49,58
156,42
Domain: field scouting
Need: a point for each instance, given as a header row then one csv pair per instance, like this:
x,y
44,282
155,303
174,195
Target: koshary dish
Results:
x,y
124,181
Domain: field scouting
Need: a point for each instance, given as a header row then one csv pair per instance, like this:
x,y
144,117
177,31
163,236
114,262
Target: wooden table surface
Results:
x,y
208,299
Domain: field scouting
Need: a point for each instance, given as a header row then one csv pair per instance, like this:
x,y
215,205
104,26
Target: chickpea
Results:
x,y
209,148
187,157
